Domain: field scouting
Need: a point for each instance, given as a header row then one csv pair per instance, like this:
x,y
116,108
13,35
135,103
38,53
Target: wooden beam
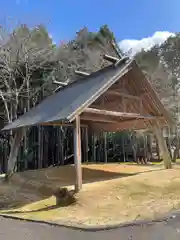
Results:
x,y
55,90
56,124
111,58
77,154
116,48
121,94
116,114
82,73
60,83
98,119
124,59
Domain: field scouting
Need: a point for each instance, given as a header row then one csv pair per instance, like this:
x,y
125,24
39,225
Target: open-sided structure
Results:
x,y
115,98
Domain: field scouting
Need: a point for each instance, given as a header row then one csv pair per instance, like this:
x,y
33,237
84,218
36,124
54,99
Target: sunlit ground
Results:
x,y
113,193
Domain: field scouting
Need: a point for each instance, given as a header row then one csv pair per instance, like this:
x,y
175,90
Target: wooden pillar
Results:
x,y
77,154
162,145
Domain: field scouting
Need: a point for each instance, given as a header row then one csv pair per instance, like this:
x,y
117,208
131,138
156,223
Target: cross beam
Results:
x,y
98,119
120,94
116,114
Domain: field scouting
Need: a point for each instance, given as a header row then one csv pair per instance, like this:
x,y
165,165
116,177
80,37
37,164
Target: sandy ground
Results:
x,y
112,194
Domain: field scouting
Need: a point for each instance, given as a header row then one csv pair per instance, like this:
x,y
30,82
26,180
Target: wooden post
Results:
x,y
77,154
162,145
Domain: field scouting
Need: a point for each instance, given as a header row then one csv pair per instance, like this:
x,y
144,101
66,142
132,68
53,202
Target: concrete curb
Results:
x,y
83,227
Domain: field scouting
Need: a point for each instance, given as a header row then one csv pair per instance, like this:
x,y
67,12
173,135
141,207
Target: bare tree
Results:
x,y
23,54
29,62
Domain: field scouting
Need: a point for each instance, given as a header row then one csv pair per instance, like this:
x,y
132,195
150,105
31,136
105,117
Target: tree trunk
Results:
x,y
19,134
162,146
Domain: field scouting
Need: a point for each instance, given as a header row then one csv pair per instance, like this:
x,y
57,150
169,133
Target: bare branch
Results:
x,y
6,106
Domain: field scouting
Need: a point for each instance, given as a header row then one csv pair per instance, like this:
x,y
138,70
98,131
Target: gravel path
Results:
x,y
20,230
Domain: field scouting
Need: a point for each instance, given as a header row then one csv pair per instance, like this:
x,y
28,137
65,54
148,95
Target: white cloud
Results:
x,y
144,43
51,37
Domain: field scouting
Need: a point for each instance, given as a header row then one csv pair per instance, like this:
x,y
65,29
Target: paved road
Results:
x,y
20,230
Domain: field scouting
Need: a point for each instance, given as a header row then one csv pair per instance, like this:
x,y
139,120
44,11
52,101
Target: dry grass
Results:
x,y
141,196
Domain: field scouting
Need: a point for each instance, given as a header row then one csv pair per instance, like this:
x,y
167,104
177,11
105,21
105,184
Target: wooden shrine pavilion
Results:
x,y
115,98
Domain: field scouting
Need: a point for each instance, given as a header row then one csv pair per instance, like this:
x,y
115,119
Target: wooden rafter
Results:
x,y
98,119
118,51
60,124
82,73
111,58
60,83
122,94
124,59
116,114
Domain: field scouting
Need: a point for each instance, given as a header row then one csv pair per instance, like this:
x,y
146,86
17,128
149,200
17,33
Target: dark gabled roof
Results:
x,y
71,99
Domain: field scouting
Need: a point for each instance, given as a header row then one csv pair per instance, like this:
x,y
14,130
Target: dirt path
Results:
x,y
19,230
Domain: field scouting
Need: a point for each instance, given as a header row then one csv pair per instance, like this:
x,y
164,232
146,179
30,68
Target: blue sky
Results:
x,y
129,19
